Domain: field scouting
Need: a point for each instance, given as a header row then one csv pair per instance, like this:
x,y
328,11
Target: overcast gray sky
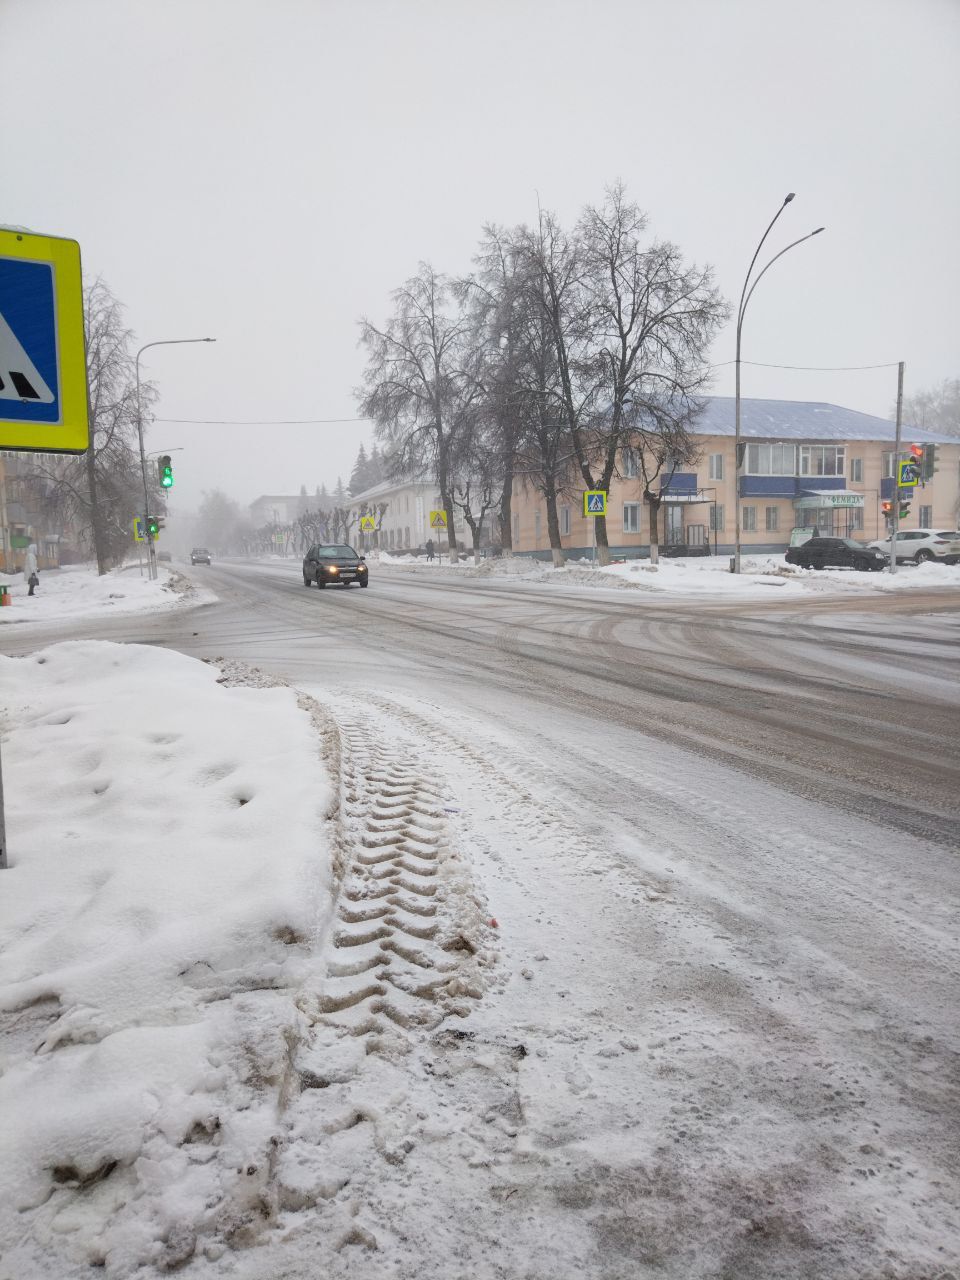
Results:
x,y
267,171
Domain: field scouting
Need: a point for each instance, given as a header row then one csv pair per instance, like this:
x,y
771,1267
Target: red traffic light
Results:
x,y
886,508
916,450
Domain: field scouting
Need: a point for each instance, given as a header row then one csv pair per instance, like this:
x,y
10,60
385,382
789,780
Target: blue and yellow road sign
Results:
x,y
595,502
908,474
43,368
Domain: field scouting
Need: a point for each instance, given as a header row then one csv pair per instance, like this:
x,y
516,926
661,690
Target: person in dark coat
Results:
x,y
33,582
429,548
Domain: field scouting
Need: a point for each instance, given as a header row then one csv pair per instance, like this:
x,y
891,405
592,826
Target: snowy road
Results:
x,y
720,843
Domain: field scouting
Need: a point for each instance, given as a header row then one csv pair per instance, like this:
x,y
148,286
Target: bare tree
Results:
x,y
421,385
631,326
937,409
101,490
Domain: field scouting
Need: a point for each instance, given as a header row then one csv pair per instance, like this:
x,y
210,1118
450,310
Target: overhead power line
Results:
x,y
260,422
811,368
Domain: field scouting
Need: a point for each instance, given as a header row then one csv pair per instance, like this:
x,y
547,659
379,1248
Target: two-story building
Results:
x,y
405,522
805,465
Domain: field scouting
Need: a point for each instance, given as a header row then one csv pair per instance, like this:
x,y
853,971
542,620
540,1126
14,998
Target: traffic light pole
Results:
x,y
895,510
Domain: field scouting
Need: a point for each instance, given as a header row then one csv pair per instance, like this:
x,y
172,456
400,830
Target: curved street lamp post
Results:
x,y
745,296
168,342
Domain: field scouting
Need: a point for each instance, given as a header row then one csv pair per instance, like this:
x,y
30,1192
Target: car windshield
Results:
x,y
852,542
336,551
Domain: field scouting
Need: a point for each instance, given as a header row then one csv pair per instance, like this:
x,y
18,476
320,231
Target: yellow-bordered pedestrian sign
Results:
x,y
367,522
139,529
908,474
438,519
43,368
595,502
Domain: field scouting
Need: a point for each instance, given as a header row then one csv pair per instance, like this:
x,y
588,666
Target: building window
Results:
x,y
926,517
564,514
886,464
771,460
536,526
773,519
716,466
749,519
822,459
856,518
631,517
716,518
629,464
516,527
856,470
406,536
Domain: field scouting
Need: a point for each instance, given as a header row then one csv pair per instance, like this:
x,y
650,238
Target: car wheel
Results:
x,y
861,564
922,556
307,582
321,583
364,582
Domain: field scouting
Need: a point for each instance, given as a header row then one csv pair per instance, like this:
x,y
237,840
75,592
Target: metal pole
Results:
x,y
3,829
896,472
741,312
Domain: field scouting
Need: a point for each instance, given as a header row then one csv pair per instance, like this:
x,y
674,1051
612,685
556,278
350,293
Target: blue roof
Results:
x,y
803,420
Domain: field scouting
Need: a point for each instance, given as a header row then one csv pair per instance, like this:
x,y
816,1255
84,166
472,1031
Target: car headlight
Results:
x,y
334,569
362,569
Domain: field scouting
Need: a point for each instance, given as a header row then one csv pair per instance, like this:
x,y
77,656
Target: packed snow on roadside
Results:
x,y
77,591
693,575
170,867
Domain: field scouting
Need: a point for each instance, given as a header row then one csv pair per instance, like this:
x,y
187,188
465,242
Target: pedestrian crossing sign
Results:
x,y
139,529
367,522
438,519
43,369
595,502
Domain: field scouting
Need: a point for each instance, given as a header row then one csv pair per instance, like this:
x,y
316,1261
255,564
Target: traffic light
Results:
x,y
904,510
916,451
153,527
165,468
887,509
929,462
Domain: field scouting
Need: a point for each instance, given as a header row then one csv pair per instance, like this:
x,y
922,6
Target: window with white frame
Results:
x,y
516,527
926,517
856,470
716,518
886,464
631,517
629,464
771,460
822,459
856,518
773,519
564,514
749,515
716,466
536,526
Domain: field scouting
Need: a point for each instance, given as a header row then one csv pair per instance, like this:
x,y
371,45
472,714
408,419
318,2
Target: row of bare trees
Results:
x,y
563,349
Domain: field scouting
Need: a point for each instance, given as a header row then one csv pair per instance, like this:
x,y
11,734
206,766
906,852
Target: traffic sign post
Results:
x,y
595,504
908,474
43,368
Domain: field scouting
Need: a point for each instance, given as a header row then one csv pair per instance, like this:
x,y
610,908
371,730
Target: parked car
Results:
x,y
835,553
199,555
165,556
333,563
919,545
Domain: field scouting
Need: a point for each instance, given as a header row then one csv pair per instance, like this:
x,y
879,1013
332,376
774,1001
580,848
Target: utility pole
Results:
x,y
895,509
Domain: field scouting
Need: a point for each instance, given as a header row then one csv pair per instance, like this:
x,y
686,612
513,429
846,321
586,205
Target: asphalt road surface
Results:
x,y
734,829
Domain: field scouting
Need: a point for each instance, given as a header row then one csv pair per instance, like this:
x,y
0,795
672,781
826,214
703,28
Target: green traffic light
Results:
x,y
165,468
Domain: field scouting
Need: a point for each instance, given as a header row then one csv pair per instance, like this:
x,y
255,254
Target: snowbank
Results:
x,y
691,575
78,591
168,865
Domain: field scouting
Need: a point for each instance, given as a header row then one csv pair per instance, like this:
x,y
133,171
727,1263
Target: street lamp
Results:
x,y
745,297
169,342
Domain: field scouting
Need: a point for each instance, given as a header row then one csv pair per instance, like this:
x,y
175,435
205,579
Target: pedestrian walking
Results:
x,y
429,549
33,582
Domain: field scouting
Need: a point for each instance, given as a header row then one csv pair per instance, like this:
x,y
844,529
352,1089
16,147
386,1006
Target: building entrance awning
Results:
x,y
828,498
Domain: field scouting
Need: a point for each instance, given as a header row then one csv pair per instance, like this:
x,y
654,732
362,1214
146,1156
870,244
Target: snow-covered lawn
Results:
x,y
169,869
76,591
694,575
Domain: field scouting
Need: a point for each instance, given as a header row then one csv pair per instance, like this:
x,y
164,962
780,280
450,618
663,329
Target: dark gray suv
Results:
x,y
332,563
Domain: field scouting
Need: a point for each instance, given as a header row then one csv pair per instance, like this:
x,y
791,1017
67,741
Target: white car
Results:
x,y
918,545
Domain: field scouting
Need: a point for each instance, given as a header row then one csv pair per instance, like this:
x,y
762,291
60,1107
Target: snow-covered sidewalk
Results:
x,y
77,591
170,867
761,577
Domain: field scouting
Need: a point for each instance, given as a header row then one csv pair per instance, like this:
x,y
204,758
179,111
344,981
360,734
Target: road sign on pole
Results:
x,y
139,529
908,474
438,519
43,368
367,522
595,502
